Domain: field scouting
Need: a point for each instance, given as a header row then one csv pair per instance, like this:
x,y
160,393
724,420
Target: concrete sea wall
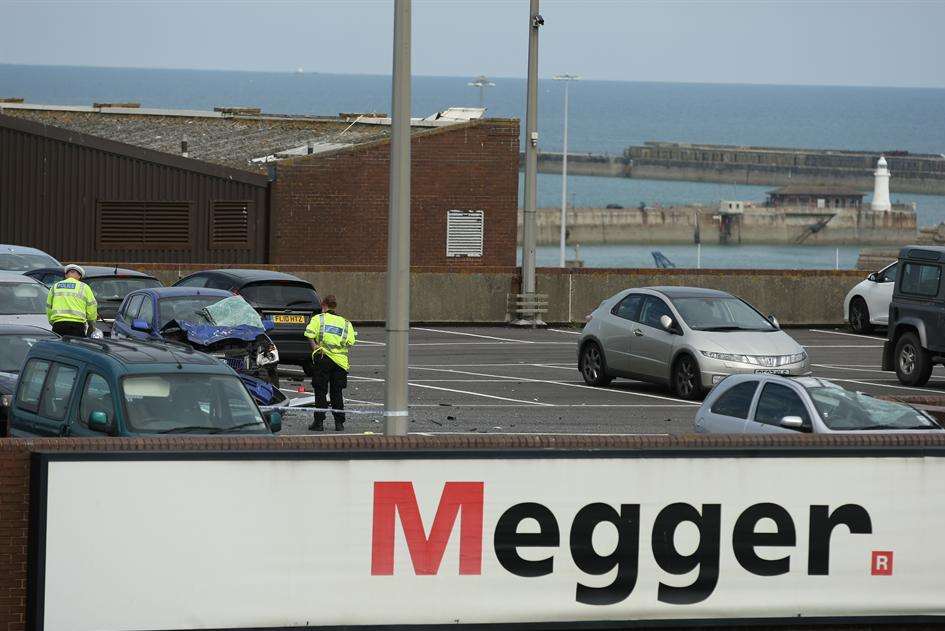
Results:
x,y
681,224
796,297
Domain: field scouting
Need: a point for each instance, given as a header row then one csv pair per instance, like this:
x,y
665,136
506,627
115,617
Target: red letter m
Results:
x,y
427,552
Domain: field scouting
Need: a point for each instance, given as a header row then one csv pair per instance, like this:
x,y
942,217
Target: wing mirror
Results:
x,y
873,277
98,421
274,420
774,321
140,325
668,323
794,422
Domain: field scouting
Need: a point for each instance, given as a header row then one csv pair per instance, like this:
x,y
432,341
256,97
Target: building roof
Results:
x,y
240,138
817,190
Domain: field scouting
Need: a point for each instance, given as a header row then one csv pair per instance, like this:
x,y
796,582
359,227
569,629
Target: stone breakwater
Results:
x,y
702,224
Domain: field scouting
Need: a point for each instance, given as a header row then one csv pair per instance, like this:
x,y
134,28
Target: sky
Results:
x,y
829,42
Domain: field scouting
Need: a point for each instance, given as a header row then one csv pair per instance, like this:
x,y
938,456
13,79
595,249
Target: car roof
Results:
x,y
128,352
16,277
688,292
25,329
177,292
923,252
98,271
22,249
254,275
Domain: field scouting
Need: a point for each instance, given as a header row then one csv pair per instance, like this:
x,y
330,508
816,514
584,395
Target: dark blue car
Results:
x,y
166,313
144,312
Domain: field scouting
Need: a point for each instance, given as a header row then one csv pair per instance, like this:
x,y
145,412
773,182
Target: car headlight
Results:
x,y
729,357
796,358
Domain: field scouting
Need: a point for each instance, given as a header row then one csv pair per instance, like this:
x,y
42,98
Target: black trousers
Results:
x,y
72,329
329,377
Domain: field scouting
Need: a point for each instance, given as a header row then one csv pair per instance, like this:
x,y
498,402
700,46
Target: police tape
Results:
x,y
302,403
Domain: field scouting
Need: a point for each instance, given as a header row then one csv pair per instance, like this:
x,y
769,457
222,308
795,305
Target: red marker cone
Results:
x,y
301,389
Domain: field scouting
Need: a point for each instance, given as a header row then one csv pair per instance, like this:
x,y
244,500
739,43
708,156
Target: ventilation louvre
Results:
x,y
230,224
140,225
464,233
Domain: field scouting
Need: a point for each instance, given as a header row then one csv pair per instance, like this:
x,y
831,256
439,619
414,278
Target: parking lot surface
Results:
x,y
508,380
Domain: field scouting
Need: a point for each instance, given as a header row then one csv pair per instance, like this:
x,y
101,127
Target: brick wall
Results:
x,y
332,208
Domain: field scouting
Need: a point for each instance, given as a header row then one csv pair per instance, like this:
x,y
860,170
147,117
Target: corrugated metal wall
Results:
x,y
51,182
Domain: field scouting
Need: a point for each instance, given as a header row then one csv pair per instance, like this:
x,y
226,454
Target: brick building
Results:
x,y
129,184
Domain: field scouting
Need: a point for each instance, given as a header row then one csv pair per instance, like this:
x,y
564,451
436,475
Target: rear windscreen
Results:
x,y
115,288
280,295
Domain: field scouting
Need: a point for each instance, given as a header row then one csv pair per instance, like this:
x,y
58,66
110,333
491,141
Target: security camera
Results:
x,y
537,20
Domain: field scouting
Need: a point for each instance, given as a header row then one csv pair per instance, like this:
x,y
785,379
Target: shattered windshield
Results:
x,y
232,311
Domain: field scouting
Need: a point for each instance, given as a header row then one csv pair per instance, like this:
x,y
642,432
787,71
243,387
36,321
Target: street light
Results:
x,y
482,82
567,78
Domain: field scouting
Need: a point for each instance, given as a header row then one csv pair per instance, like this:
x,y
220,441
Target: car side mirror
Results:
x,y
774,321
793,422
274,419
140,325
668,323
874,277
98,421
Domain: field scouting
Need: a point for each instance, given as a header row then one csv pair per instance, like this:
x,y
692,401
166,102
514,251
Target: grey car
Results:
x,y
684,337
19,258
22,300
771,404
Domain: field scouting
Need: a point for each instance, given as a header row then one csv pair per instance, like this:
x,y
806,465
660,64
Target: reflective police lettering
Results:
x,y
464,500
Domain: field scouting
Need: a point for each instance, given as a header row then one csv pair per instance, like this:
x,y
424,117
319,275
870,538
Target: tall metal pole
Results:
x,y
482,82
398,238
531,153
567,78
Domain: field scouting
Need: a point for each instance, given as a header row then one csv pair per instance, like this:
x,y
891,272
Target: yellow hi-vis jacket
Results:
x,y
333,335
71,300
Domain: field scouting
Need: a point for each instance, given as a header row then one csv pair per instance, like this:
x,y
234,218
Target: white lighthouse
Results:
x,y
881,186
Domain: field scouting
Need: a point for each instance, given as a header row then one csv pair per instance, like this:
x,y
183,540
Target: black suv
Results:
x,y
916,337
286,299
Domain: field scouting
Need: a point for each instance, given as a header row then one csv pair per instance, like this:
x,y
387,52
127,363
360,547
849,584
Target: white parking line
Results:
x,y
475,394
842,345
868,337
568,332
487,337
557,383
876,370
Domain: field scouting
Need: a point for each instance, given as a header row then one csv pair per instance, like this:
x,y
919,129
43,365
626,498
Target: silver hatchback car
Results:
x,y
769,404
684,337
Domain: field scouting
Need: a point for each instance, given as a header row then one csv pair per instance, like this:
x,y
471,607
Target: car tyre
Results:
x,y
687,378
913,363
593,365
860,317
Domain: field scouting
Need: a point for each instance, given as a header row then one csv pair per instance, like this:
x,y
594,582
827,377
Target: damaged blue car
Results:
x,y
213,321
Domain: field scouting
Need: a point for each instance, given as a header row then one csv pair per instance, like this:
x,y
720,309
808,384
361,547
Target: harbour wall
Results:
x,y
759,225
760,166
449,295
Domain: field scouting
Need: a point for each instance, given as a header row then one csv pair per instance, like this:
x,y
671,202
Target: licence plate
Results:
x,y
772,371
288,319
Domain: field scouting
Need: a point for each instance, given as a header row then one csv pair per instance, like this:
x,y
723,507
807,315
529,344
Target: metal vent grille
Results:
x,y
139,225
464,233
230,224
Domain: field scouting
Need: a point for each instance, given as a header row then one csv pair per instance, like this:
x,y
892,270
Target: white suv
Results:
x,y
867,304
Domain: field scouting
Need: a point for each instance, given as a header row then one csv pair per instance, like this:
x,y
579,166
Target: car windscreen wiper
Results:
x,y
191,428
241,426
868,427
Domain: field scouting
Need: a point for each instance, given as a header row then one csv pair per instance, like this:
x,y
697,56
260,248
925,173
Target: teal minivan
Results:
x,y
86,387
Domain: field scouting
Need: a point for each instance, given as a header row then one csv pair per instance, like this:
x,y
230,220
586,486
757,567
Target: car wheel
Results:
x,y
860,316
913,363
687,378
593,365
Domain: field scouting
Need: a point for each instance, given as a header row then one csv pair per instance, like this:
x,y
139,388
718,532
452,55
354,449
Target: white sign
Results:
x,y
254,543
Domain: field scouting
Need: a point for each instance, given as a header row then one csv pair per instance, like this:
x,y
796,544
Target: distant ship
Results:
x,y
299,71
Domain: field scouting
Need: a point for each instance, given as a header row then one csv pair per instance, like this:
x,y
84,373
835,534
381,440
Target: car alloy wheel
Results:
x,y
593,365
860,317
687,381
907,359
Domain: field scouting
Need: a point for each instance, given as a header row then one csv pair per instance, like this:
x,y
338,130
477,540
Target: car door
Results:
x,y
917,297
122,325
730,411
146,313
776,401
56,400
23,421
616,331
95,396
652,344
130,315
879,294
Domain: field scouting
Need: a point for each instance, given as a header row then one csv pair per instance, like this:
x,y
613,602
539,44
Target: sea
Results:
x,y
604,117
